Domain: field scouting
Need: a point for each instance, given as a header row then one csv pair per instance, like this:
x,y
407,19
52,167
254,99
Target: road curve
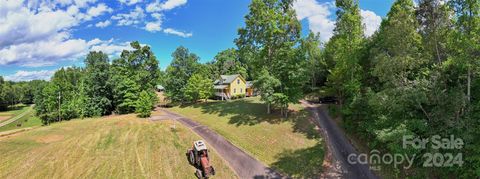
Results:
x,y
244,165
338,144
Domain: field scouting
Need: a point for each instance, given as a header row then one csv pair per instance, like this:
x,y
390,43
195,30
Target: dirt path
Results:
x,y
338,146
245,166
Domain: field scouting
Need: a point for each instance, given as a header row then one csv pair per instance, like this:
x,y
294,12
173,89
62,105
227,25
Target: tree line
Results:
x,y
12,93
417,75
125,85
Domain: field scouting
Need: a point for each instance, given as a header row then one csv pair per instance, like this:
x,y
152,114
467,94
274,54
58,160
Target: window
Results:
x,y
238,81
241,90
234,90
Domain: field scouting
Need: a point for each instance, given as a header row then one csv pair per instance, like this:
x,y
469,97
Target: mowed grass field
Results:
x,y
293,145
28,120
110,147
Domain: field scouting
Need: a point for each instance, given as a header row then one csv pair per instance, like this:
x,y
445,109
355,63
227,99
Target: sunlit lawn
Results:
x,y
291,145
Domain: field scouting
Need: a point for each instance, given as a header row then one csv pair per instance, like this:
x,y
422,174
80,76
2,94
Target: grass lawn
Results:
x,y
13,111
28,120
110,147
292,146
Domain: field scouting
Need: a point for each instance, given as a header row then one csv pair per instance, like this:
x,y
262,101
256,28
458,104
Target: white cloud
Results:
x,y
176,32
130,2
317,15
371,21
109,47
30,75
22,25
42,53
98,10
168,5
319,20
157,16
135,16
153,26
103,24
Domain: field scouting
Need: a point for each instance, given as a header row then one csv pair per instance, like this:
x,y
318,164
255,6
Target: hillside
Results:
x,y
110,147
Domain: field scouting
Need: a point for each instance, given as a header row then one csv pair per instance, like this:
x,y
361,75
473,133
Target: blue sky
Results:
x,y
40,36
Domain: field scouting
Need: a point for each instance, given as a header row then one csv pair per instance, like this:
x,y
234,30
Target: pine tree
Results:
x,y
144,104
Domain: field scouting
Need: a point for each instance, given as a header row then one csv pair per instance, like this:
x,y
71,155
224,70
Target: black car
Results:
x,y
328,100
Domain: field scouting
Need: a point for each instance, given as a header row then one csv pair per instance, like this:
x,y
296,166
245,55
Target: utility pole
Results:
x,y
59,100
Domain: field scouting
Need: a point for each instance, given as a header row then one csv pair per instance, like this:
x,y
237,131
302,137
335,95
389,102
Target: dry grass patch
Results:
x,y
118,147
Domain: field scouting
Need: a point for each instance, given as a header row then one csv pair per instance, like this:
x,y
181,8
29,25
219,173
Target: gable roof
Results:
x,y
227,79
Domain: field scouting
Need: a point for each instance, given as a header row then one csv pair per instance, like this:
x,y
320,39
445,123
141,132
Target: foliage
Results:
x,y
269,38
100,88
96,86
199,86
227,62
145,103
182,67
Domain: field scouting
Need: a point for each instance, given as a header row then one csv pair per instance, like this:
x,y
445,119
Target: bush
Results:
x,y
145,104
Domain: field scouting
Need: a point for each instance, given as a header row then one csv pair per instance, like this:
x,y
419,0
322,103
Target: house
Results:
x,y
230,86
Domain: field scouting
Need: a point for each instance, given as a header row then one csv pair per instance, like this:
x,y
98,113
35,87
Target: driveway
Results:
x,y
244,165
338,145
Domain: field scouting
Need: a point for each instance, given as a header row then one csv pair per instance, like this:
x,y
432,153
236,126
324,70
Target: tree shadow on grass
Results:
x,y
302,163
249,112
241,112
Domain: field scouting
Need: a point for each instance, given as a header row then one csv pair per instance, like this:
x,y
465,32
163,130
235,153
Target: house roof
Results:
x,y
160,87
227,79
220,86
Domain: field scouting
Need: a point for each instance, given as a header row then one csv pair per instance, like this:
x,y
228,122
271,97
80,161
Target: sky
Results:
x,y
37,37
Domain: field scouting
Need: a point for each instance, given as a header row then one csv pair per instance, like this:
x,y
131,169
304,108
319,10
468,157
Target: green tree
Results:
x,y
145,103
316,65
227,63
199,86
183,66
266,84
269,39
433,18
343,51
135,71
96,83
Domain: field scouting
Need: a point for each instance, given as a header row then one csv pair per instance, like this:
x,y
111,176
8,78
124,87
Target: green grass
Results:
x,y
14,110
28,120
292,146
111,147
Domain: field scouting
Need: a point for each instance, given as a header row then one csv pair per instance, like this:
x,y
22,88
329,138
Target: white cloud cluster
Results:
x,y
320,21
150,18
168,5
129,2
317,15
103,24
98,10
38,33
371,21
30,75
109,47
134,17
176,32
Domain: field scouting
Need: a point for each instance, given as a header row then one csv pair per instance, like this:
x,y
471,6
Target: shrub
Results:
x,y
144,104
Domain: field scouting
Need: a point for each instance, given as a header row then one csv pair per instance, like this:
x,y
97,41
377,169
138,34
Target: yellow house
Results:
x,y
229,86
